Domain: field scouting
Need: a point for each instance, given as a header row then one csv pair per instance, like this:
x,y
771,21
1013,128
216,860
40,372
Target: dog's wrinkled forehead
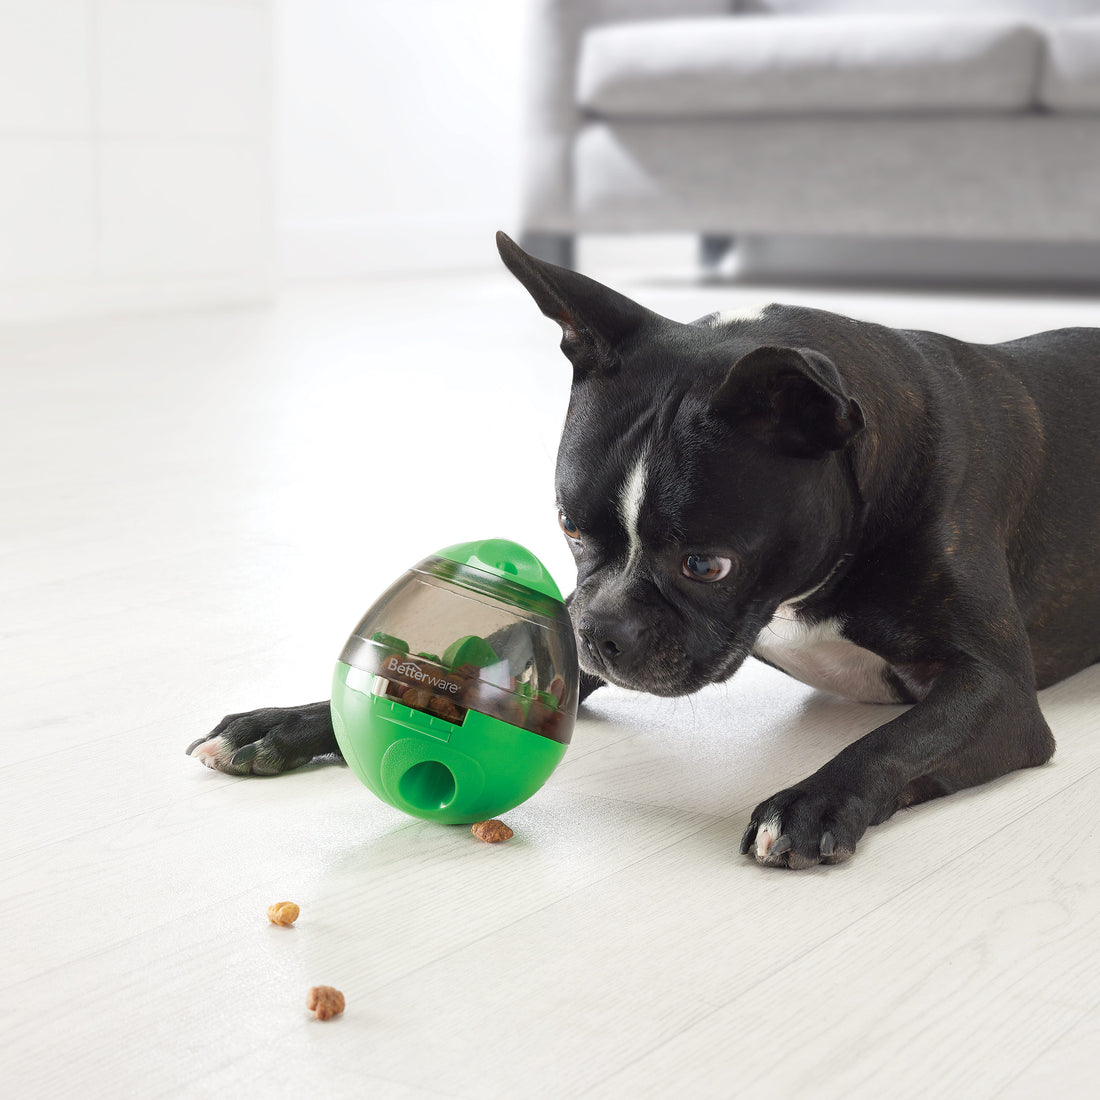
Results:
x,y
631,463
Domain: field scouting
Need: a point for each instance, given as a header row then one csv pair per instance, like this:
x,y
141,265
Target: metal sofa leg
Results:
x,y
555,248
713,249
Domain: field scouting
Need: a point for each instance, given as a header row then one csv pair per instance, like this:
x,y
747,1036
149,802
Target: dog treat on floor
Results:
x,y
283,913
325,1002
492,832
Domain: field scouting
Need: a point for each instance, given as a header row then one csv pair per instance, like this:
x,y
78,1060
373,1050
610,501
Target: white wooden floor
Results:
x,y
196,510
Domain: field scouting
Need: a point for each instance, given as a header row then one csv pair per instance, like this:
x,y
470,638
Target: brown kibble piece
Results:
x,y
417,697
492,832
284,913
325,1002
509,709
443,707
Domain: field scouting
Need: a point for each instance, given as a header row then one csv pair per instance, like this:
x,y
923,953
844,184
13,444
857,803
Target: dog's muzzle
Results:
x,y
623,650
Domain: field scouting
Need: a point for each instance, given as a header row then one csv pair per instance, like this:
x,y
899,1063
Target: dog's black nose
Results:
x,y
603,644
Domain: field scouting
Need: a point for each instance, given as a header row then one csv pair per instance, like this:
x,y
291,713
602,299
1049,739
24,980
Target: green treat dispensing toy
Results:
x,y
455,696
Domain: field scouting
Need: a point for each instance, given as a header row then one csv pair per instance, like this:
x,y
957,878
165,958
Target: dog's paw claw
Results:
x,y
828,845
767,841
749,837
780,847
244,756
217,754
206,750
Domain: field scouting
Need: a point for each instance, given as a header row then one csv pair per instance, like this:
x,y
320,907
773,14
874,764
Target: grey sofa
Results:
x,y
942,120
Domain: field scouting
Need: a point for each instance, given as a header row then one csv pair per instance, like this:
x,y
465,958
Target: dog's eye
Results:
x,y
568,526
705,567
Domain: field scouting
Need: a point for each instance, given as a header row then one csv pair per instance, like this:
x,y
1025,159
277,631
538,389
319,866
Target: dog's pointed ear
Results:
x,y
595,320
791,399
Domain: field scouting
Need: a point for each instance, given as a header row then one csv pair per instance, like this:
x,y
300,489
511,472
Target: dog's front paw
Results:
x,y
268,741
801,827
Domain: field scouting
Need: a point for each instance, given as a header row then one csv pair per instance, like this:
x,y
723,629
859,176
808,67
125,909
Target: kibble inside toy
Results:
x,y
454,698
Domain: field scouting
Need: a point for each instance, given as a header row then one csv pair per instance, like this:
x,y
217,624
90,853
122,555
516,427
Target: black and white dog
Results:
x,y
889,515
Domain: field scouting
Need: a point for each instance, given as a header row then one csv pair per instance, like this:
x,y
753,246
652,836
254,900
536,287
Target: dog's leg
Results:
x,y
268,741
979,720
977,723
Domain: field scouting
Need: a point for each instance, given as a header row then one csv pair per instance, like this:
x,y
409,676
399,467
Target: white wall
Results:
x,y
398,133
139,166
135,155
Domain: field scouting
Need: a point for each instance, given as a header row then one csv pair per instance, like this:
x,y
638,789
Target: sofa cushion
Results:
x,y
1036,9
754,65
1071,72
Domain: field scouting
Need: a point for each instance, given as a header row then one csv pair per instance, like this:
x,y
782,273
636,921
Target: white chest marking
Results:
x,y
818,655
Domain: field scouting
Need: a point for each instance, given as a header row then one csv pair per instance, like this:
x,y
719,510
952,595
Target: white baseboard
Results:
x,y
30,303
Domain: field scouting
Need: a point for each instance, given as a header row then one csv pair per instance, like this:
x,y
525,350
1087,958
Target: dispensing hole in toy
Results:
x,y
428,785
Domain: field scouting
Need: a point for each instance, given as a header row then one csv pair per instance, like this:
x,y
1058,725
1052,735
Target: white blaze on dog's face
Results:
x,y
631,502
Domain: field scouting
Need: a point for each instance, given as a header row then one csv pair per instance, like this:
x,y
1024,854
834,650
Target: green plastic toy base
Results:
x,y
431,768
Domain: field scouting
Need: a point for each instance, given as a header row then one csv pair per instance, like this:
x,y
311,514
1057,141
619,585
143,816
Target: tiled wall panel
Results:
x,y
135,155
45,73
